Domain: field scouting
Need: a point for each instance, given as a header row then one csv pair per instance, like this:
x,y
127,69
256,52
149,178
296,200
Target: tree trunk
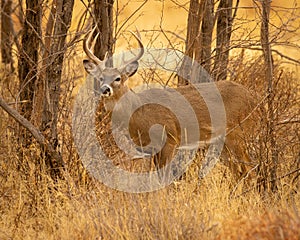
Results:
x,y
272,161
195,66
6,32
194,20
28,58
40,89
51,108
203,54
224,28
103,18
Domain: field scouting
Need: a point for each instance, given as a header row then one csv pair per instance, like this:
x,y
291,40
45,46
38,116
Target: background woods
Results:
x,y
45,192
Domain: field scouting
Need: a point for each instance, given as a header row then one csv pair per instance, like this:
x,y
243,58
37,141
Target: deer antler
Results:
x,y
87,49
141,52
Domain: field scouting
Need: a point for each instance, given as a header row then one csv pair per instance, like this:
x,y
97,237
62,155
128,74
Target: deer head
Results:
x,y
109,81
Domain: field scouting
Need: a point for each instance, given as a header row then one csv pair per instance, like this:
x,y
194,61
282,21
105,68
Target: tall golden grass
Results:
x,y
33,206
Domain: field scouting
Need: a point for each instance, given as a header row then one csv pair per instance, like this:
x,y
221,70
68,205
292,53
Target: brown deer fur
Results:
x,y
237,100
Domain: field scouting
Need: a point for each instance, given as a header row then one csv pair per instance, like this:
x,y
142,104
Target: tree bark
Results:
x,y
28,57
198,43
224,29
206,36
6,32
272,161
194,20
40,89
103,18
51,106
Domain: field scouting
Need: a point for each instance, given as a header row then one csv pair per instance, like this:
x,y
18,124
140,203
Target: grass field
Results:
x,y
33,206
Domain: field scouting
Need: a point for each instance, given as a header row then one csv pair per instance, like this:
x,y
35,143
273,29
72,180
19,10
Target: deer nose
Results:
x,y
106,91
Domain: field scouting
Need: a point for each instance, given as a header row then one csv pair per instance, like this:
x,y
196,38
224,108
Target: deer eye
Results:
x,y
118,79
99,79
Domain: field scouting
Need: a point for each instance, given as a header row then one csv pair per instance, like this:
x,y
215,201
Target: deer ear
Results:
x,y
130,69
88,65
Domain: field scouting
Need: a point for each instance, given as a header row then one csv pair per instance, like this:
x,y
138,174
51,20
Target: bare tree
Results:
x,y
201,22
194,20
103,18
6,32
63,17
40,78
269,166
29,55
198,41
224,29
206,36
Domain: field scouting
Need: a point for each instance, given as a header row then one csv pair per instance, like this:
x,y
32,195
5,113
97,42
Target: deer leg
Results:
x,y
166,154
237,159
162,159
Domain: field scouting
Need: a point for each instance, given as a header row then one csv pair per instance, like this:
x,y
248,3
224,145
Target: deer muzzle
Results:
x,y
106,90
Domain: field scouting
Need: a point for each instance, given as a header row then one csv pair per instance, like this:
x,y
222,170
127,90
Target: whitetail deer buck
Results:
x,y
110,83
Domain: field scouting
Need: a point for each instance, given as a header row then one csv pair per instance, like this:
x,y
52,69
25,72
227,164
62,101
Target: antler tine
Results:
x,y
137,33
87,49
94,41
138,38
141,52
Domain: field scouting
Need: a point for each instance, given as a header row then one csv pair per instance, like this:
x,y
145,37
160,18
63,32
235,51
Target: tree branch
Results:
x,y
32,129
273,50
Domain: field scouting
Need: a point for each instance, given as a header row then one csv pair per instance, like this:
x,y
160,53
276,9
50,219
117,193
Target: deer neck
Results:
x,y
109,103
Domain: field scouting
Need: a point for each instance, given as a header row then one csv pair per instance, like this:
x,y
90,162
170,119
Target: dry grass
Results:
x,y
32,206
